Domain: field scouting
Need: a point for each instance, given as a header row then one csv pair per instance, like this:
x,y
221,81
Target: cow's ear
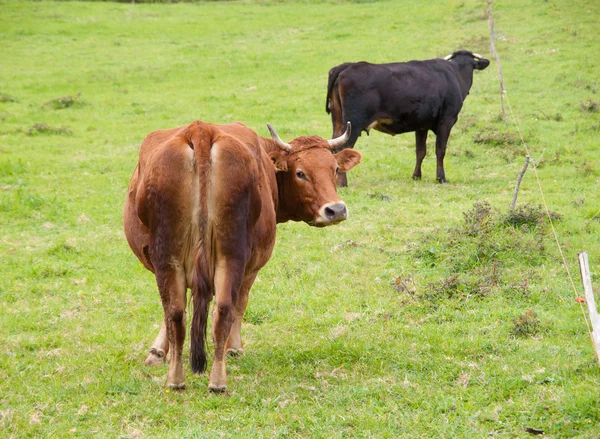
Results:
x,y
348,159
279,161
482,64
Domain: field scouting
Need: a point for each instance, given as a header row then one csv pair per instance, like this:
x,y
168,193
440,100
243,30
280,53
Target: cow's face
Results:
x,y
464,58
306,176
481,63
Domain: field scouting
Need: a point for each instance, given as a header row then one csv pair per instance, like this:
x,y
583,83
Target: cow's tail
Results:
x,y
200,138
333,75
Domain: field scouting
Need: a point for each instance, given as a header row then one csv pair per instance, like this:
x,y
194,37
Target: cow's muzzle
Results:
x,y
331,213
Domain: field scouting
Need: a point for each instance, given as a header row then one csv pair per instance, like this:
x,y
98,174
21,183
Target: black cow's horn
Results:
x,y
339,141
449,57
280,143
476,55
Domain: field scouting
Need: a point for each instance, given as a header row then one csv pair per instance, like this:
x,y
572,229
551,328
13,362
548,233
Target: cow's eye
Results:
x,y
337,169
301,175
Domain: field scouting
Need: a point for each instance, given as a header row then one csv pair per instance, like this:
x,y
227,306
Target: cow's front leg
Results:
x,y
228,280
160,348
421,141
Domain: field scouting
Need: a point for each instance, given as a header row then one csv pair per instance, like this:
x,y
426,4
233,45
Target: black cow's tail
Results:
x,y
199,137
333,75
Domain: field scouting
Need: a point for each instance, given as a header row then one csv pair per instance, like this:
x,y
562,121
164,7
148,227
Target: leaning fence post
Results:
x,y
514,200
586,278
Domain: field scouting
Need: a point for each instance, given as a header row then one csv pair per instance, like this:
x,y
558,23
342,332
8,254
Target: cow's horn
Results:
x,y
476,55
339,141
449,57
280,143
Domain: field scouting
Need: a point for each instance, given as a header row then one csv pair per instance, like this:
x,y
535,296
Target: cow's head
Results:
x,y
465,58
306,170
465,63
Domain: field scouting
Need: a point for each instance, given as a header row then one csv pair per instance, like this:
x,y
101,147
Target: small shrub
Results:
x,y
486,245
556,117
528,215
257,317
526,325
7,98
495,138
589,106
586,168
43,128
380,196
405,284
452,287
63,102
478,220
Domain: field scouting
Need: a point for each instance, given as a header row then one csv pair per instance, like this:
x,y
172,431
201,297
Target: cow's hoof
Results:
x,y
176,386
442,180
217,389
235,352
416,177
156,357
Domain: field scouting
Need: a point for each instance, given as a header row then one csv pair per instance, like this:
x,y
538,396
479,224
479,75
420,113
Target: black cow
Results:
x,y
402,97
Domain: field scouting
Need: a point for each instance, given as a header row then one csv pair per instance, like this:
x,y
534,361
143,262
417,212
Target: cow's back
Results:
x,y
159,210
164,211
406,95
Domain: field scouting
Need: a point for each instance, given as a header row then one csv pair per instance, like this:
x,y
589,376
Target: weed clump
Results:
x,y
43,128
528,215
63,102
589,106
526,325
475,257
379,196
452,286
7,98
496,138
507,145
478,220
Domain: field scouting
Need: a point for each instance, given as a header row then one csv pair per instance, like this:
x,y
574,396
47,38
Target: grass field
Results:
x,y
433,312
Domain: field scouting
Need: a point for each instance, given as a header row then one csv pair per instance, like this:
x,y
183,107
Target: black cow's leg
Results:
x,y
421,141
440,151
341,179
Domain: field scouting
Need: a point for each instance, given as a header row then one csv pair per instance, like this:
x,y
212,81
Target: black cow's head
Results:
x,y
464,58
465,62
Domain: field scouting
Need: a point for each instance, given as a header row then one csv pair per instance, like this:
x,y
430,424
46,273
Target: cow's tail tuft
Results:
x,y
333,75
199,137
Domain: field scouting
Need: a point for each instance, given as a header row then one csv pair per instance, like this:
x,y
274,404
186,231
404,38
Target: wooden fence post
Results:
x,y
586,278
514,200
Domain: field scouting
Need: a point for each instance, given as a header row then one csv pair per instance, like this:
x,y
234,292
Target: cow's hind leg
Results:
x,y
357,125
344,110
160,347
234,344
421,141
171,284
228,280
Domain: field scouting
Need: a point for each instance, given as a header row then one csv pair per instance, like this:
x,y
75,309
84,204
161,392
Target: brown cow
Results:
x,y
201,212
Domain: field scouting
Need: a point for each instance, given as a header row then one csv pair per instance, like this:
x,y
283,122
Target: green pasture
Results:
x,y
432,312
